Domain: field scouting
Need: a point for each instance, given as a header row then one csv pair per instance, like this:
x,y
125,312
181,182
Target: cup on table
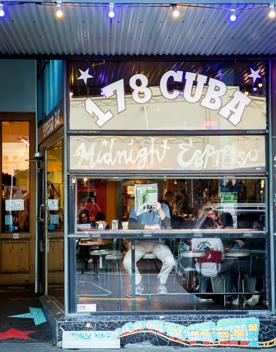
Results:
x,y
125,225
114,224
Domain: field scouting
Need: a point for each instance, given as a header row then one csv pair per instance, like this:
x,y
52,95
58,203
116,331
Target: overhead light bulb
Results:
x,y
175,11
233,16
59,12
111,13
271,13
2,12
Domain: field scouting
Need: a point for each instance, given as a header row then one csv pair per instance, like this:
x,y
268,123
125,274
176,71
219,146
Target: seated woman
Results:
x,y
208,268
100,222
84,217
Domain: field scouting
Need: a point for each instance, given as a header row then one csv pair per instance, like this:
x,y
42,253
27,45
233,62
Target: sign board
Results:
x,y
228,197
90,339
14,204
193,153
86,308
52,123
160,113
52,204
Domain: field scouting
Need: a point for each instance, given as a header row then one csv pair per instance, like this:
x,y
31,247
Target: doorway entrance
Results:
x,y
51,223
17,207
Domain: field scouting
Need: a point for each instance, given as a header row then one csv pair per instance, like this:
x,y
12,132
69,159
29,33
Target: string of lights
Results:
x,y
176,9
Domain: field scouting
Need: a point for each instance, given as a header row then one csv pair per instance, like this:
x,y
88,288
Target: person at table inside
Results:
x,y
100,222
84,217
153,219
251,267
84,255
211,267
93,208
205,213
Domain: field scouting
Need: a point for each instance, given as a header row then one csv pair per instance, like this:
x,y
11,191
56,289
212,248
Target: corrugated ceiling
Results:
x,y
31,29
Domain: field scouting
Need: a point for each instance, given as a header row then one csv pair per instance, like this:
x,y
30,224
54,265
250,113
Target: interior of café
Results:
x,y
210,251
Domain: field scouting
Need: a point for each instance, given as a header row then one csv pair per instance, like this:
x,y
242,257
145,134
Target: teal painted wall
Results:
x,y
17,85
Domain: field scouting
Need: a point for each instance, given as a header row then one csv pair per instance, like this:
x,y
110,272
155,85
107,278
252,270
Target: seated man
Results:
x,y
251,267
154,219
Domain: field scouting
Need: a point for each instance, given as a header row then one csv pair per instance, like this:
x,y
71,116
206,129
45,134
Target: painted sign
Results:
x,y
204,103
243,332
90,339
196,153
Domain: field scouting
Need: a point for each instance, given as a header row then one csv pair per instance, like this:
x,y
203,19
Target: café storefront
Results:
x,y
196,137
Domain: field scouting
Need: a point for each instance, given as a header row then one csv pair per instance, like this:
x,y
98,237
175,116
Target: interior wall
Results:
x,y
18,82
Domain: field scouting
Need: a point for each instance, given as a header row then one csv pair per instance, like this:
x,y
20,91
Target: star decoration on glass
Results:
x,y
15,334
35,313
254,75
85,75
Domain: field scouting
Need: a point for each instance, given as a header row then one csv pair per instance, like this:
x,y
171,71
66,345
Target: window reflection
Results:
x,y
55,188
15,176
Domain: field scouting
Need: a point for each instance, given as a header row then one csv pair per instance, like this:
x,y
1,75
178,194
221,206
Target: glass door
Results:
x,y
51,217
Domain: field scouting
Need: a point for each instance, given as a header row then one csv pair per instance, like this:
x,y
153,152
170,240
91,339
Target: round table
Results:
x,y
237,254
101,253
191,254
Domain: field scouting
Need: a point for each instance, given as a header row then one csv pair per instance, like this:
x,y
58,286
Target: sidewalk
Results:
x,y
46,347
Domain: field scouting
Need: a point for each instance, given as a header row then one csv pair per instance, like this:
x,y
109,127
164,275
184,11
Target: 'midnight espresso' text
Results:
x,y
120,153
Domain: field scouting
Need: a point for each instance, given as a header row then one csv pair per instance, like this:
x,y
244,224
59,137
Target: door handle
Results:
x,y
41,213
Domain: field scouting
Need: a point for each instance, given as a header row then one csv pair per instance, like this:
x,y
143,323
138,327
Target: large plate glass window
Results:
x,y
215,244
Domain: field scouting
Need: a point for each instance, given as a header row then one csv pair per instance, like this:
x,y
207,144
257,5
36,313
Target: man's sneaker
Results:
x,y
139,289
202,300
236,301
253,300
162,289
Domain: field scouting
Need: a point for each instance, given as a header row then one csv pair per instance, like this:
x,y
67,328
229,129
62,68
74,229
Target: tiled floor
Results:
x,y
112,291
21,316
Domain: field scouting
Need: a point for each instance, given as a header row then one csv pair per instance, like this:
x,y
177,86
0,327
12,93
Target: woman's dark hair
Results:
x,y
208,223
86,213
226,220
100,216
